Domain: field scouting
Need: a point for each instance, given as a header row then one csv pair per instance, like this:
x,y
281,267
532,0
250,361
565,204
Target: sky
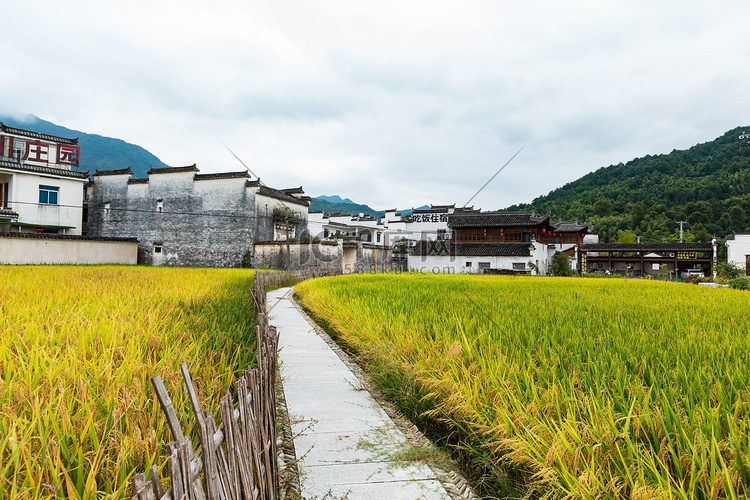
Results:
x,y
394,104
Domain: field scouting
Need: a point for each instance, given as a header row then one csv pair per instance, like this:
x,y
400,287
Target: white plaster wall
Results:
x,y
14,250
68,212
426,230
215,193
315,224
458,264
738,248
591,239
175,180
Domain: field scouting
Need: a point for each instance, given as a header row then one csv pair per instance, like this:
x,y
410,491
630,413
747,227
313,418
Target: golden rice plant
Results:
x,y
593,388
77,350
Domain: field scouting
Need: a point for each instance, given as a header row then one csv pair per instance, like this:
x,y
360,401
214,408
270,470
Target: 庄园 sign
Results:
x,y
39,151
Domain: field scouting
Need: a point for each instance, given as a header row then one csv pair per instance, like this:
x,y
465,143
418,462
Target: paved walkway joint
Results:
x,y
344,441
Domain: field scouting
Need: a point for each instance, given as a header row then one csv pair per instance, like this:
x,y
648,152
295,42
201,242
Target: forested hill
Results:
x,y
707,185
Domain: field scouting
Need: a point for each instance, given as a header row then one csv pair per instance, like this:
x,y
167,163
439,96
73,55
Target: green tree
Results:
x,y
561,265
737,218
637,213
603,207
700,233
626,237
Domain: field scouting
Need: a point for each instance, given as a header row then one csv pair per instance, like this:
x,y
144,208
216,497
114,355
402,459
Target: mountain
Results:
x,y
97,152
707,185
329,205
335,199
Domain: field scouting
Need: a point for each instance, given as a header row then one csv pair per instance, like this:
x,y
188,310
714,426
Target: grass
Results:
x,y
581,388
78,347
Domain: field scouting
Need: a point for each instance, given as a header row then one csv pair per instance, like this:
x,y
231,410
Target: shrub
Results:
x,y
740,283
728,270
247,260
592,275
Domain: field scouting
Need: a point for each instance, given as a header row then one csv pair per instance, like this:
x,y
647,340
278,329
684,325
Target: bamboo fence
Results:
x,y
238,459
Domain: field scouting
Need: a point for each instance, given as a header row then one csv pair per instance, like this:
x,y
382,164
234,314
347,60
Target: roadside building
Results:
x,y
648,259
738,251
41,188
184,218
499,242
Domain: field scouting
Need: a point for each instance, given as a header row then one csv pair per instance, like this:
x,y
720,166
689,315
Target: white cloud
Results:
x,y
388,103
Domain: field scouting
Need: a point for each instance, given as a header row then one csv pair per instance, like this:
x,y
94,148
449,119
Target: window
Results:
x,y
441,234
519,266
48,195
379,235
484,265
18,148
160,206
106,208
157,248
468,264
325,233
527,236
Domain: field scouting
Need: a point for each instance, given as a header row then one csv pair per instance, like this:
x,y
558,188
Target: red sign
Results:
x,y
36,151
68,154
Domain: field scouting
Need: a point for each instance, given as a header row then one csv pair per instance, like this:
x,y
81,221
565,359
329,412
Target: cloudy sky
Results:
x,y
390,103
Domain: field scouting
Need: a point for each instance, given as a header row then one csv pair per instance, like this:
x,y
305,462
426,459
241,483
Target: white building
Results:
x,y
327,226
738,251
41,190
419,225
499,242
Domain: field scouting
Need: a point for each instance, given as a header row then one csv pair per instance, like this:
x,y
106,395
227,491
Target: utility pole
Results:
x,y
681,222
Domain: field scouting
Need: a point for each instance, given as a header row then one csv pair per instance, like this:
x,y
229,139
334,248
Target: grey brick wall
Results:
x,y
203,223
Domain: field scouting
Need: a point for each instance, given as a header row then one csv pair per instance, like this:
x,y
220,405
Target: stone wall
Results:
x,y
339,258
362,257
324,256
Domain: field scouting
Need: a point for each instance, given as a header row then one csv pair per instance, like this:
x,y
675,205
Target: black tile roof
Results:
x,y
138,181
569,227
433,210
496,219
280,195
493,249
173,170
448,247
647,247
60,172
52,236
37,135
7,212
222,175
120,171
297,190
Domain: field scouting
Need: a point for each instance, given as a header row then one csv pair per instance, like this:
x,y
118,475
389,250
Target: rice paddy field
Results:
x,y
78,346
564,387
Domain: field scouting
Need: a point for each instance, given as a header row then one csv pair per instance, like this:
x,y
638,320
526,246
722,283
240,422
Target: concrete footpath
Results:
x,y
346,445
